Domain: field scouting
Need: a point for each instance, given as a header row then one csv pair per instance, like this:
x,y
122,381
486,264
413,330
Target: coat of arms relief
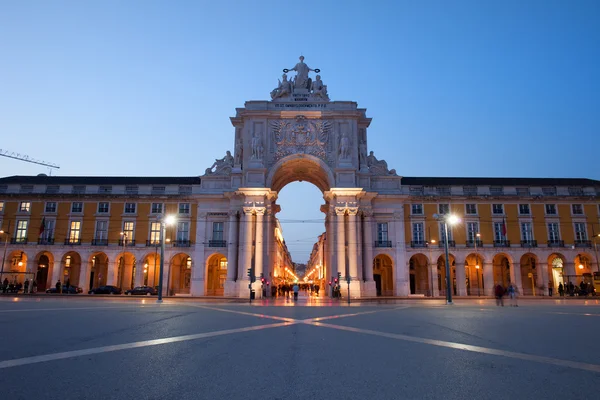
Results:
x,y
300,136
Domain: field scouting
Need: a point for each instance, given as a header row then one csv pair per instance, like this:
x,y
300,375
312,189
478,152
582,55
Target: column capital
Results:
x,y
248,210
233,213
340,211
260,210
367,212
353,211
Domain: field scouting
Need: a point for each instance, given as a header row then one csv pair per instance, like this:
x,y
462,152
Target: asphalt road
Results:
x,y
106,348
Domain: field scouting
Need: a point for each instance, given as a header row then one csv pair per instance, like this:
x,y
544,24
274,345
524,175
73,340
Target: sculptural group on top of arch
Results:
x,y
301,84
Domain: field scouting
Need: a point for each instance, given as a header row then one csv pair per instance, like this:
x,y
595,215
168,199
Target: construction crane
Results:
x,y
26,158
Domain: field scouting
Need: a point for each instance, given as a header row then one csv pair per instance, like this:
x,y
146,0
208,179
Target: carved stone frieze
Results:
x,y
300,136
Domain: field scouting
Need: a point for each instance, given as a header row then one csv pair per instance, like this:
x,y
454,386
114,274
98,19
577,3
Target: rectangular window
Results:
x,y
155,233
77,207
577,209
52,189
443,233
524,209
48,233
50,207
217,231
157,208
470,190
498,209
25,206
471,209
75,231
128,227
130,208
551,209
78,189
102,208
382,232
553,232
526,232
549,191
580,231
472,231
21,236
444,208
416,209
498,231
418,232
158,189
131,189
101,230
183,231
184,208
443,190
496,190
105,189
1,206
522,191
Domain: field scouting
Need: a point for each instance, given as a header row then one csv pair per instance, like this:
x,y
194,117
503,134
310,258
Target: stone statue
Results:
x,y
344,146
239,151
284,89
318,89
378,167
301,80
257,147
221,166
362,153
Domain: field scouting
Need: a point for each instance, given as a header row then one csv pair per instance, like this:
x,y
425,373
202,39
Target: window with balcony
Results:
x,y
158,189
498,209
524,209
74,232
526,232
549,191
130,208
576,191
442,230
580,232
131,189
185,190
498,231
183,234
523,191
443,190
184,208
78,189
128,233
1,206
218,237
443,209
382,235
418,234
553,233
50,207
25,206
551,209
101,236
471,209
416,209
47,236
105,189
52,189
496,190
577,209
470,190
26,189
157,208
21,234
472,231
102,208
155,233
76,207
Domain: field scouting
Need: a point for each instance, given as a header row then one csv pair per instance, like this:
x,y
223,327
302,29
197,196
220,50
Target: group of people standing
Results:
x,y
29,286
511,291
569,289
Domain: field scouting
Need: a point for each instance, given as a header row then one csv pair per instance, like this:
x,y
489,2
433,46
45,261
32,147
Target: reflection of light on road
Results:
x,y
15,299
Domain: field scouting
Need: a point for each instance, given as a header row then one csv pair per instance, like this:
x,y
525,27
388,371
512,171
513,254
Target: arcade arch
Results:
x,y
441,266
529,274
216,275
98,270
420,282
556,263
383,274
474,274
126,269
180,274
147,275
44,262
71,268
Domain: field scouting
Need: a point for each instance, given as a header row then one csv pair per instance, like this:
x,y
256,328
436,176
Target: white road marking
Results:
x,y
467,347
134,345
78,308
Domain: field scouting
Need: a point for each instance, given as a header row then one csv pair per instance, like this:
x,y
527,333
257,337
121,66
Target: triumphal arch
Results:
x,y
301,135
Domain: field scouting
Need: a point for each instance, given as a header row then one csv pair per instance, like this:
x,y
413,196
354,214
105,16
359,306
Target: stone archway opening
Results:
x,y
441,266
530,274
45,267
98,270
420,282
216,275
180,274
71,269
383,274
502,270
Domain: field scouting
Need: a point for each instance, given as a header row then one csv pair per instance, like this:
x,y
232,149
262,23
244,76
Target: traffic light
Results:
x,y
249,272
336,280
339,278
262,278
251,275
329,283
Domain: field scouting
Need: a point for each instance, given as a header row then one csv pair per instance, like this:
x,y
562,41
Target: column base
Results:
x,y
231,289
197,288
369,289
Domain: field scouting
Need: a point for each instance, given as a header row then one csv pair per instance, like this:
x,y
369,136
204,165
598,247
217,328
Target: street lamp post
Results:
x,y
447,219
163,233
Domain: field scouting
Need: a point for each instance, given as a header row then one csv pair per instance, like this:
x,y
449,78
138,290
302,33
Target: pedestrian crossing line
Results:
x,y
318,319
133,345
244,313
467,347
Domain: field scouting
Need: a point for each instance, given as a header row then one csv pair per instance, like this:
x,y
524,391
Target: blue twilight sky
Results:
x,y
455,88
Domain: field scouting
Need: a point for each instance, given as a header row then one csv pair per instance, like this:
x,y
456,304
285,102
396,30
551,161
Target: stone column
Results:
x,y
340,213
402,272
461,285
247,246
515,277
84,273
569,269
352,244
368,246
542,279
56,270
259,248
331,237
197,284
488,278
359,253
268,261
232,246
434,275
